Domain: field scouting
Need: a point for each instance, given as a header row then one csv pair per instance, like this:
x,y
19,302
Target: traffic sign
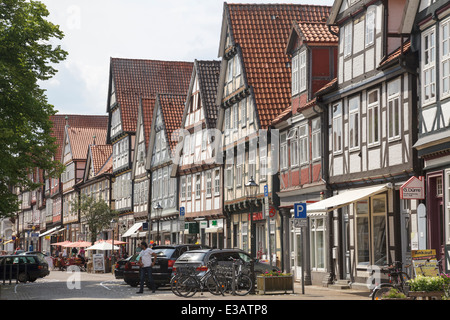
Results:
x,y
182,211
266,190
300,210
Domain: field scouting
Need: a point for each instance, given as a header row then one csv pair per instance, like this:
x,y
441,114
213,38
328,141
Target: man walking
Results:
x,y
146,263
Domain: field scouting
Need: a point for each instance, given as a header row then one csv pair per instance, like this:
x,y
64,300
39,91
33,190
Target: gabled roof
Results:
x,y
147,107
74,120
262,31
101,157
136,78
81,137
317,32
208,76
172,107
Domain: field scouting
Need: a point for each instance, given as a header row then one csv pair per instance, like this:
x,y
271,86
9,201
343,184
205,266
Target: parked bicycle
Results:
x,y
188,284
397,279
239,283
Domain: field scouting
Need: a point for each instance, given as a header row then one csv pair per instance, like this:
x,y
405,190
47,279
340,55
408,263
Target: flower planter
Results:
x,y
427,295
280,284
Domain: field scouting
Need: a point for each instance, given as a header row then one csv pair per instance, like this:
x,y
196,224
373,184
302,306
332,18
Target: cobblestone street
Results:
x,y
60,285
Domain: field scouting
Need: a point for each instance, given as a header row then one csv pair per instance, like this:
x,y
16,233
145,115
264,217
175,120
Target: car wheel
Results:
x,y
32,279
23,277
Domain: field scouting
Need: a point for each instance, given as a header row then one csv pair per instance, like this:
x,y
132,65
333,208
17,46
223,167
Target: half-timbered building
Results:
x,y
129,81
313,48
166,119
431,41
200,172
254,88
371,127
75,149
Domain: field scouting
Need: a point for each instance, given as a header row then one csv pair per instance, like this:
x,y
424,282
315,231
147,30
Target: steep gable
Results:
x,y
262,31
134,79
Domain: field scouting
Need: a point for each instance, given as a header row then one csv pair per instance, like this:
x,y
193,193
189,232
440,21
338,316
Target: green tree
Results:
x,y
26,57
96,214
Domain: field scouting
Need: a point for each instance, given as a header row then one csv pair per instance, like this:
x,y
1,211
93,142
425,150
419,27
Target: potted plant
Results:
x,y
428,287
273,281
394,294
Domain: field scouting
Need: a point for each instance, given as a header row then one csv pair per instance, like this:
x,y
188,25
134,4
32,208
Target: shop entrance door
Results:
x,y
296,249
260,240
436,221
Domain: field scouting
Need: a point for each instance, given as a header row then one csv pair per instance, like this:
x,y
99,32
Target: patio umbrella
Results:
x,y
116,242
83,244
60,243
103,246
69,245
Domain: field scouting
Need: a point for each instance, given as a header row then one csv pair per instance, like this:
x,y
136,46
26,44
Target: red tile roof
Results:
x,y
396,53
262,31
172,107
208,75
74,120
101,157
147,107
317,32
81,137
135,79
286,114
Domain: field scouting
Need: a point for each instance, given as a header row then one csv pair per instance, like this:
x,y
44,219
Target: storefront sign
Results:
x,y
99,262
413,189
425,263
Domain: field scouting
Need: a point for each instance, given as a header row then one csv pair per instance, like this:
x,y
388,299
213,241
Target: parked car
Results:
x,y
162,270
198,259
119,268
23,267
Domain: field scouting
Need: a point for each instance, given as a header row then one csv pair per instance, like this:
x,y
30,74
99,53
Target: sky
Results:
x,y
96,30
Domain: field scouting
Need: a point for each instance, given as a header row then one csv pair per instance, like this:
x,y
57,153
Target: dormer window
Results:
x,y
302,65
370,26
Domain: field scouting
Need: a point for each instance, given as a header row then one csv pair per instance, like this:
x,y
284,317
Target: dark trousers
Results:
x,y
151,283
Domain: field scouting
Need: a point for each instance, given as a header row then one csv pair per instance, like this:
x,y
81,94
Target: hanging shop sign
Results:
x,y
413,189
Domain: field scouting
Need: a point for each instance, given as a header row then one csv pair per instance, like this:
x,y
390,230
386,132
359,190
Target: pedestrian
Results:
x,y
146,263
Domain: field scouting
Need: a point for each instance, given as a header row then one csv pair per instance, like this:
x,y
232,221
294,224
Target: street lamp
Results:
x,y
158,213
113,225
251,188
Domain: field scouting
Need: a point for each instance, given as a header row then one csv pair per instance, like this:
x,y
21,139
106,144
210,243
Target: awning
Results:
x,y
213,230
345,198
132,230
49,231
140,234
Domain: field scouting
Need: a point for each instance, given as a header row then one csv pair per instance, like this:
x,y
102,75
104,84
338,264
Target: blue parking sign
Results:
x,y
182,211
300,210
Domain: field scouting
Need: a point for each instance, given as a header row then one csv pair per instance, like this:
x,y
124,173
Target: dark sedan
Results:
x,y
162,270
120,267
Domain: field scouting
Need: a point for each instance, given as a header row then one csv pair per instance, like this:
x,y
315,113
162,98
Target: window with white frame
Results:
x,y
243,106
217,182
303,143
183,187
293,146
348,38
428,66
227,121
229,176
337,127
198,185
188,187
445,58
235,117
394,109
353,126
302,66
373,117
263,162
370,26
316,139
295,76
208,184
240,164
252,159
317,236
283,152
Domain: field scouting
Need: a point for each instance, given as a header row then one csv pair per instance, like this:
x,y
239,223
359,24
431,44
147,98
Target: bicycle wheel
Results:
x,y
378,294
243,285
173,285
187,286
216,284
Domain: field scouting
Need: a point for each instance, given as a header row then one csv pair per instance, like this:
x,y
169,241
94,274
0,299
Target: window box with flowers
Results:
x,y
275,282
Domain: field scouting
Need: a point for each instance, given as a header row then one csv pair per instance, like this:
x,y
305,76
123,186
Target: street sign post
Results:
x,y
300,215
